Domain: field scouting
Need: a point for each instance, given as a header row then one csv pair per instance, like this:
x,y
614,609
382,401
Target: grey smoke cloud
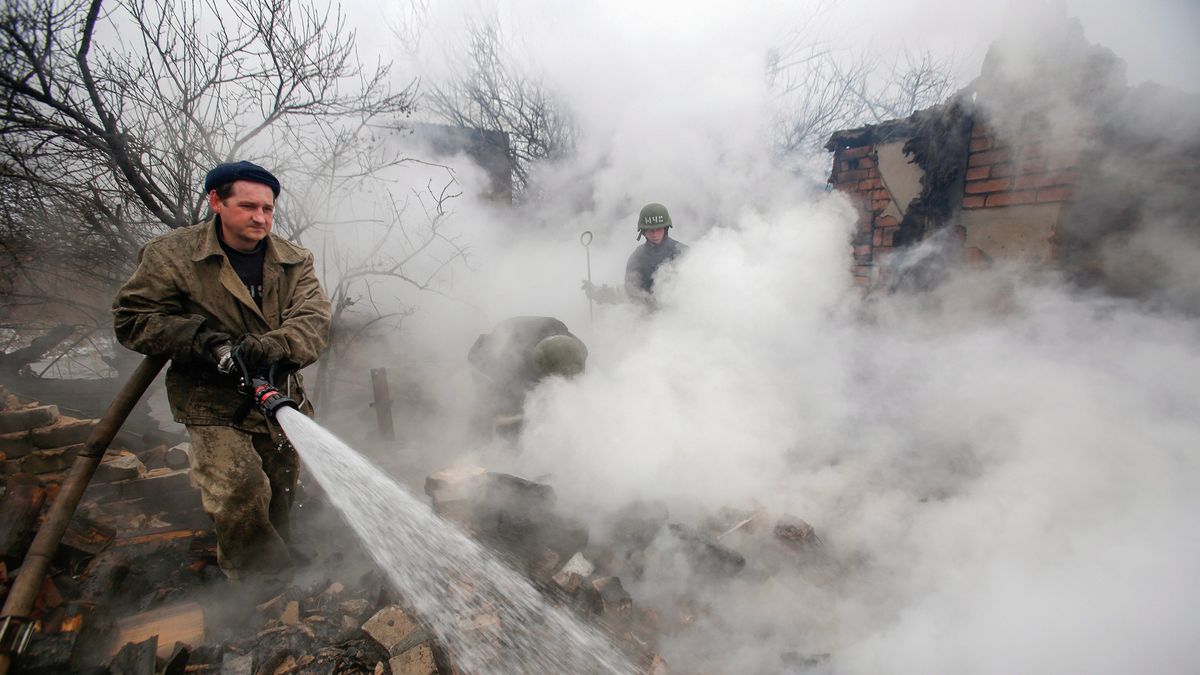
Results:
x,y
1003,469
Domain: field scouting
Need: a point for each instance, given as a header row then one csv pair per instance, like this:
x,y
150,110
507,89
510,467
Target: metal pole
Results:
x,y
586,240
16,626
383,403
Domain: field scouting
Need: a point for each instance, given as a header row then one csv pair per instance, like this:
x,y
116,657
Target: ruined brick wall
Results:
x,y
856,173
1014,193
1033,170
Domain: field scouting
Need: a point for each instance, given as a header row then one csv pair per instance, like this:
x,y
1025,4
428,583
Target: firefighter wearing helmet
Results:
x,y
511,360
659,248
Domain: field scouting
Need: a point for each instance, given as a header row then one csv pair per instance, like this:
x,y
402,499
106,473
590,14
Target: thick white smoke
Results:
x,y
1003,469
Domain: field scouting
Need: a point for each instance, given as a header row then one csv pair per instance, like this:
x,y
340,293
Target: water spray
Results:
x,y
451,580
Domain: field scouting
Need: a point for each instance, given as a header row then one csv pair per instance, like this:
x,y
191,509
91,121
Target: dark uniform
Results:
x,y
506,367
644,262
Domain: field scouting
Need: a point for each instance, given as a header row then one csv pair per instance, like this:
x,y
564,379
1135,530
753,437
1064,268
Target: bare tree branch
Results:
x,y
112,111
820,89
488,90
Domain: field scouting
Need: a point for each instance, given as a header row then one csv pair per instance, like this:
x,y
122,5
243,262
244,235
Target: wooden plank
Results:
x,y
160,536
87,535
103,577
180,622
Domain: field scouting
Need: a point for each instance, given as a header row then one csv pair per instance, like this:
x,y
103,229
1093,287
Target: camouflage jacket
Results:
x,y
184,281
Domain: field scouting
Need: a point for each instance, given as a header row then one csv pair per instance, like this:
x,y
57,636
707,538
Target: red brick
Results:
x,y
852,153
1041,180
64,432
980,129
980,144
982,186
882,251
886,221
844,166
988,157
889,236
28,418
877,238
1056,194
852,176
973,202
1012,198
866,163
978,173
880,204
16,444
880,194
869,184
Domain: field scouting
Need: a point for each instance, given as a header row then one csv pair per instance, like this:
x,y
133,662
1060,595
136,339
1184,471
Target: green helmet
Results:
x,y
653,216
560,355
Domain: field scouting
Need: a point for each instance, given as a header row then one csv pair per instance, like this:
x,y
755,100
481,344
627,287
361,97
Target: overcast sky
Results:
x,y
1158,38
1006,469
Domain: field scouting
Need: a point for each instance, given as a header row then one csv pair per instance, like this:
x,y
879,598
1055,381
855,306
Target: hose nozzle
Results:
x,y
268,398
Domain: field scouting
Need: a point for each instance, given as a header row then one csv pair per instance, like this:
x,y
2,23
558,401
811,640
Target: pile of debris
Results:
x,y
518,519
135,586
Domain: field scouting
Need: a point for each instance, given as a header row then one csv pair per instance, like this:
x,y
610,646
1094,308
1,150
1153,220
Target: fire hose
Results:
x,y
16,623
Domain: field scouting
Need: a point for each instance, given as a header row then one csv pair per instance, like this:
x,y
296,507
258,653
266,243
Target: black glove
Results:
x,y
258,352
205,342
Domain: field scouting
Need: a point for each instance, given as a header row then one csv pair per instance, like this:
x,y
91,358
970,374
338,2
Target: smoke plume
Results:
x,y
1002,470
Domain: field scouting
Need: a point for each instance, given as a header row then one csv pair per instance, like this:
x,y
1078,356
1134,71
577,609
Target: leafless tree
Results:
x,y
821,89
426,251
111,112
490,90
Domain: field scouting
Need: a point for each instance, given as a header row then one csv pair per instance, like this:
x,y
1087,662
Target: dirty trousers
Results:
x,y
247,483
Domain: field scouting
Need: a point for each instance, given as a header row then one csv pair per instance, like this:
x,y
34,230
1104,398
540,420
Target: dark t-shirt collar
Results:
x,y
229,250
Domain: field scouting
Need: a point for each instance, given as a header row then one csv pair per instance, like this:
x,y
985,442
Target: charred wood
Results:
x,y
136,658
19,509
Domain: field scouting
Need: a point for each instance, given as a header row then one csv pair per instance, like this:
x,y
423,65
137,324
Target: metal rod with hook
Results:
x,y
586,240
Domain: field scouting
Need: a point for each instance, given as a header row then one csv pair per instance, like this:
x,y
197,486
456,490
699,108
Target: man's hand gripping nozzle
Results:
x,y
258,387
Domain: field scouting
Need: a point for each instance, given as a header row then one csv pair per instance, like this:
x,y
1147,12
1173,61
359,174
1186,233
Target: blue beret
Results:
x,y
243,170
